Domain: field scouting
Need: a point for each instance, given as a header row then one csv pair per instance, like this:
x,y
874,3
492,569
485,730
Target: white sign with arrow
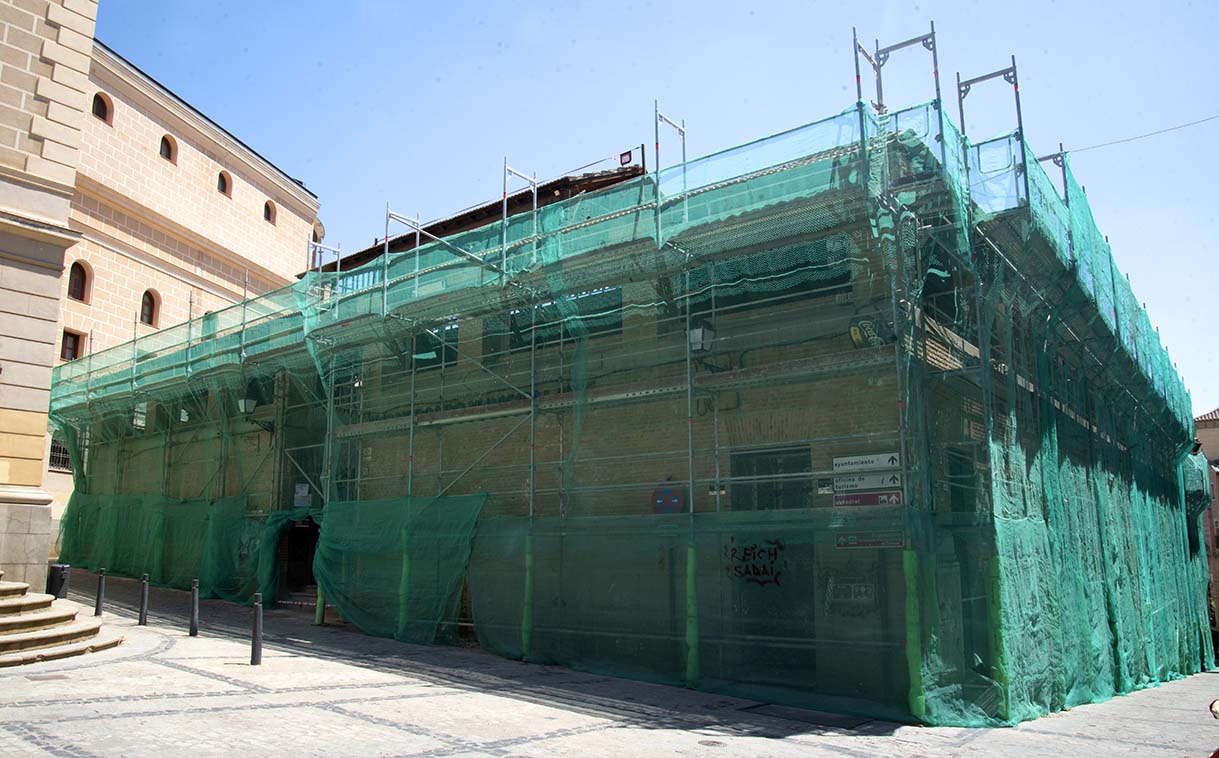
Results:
x,y
867,462
875,481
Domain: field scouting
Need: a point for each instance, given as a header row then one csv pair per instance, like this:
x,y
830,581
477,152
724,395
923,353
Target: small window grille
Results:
x,y
60,460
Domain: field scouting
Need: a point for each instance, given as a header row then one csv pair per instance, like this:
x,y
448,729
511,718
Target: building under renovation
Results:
x,y
860,417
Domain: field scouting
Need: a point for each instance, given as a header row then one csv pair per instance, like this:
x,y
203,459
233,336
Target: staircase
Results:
x,y
36,627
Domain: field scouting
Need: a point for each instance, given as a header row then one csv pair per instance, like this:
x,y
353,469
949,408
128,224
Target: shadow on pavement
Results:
x,y
629,702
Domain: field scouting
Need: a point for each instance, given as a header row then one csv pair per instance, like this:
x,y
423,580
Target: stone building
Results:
x,y
791,422
122,210
177,217
45,57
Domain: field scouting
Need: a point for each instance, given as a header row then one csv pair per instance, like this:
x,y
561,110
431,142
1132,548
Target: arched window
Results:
x,y
148,308
78,282
169,149
268,211
103,108
224,184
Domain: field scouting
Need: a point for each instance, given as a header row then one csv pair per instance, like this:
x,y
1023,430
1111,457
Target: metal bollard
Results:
x,y
194,607
101,592
144,600
256,638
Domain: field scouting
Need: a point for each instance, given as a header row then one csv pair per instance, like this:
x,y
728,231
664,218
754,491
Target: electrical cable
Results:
x,y
1148,134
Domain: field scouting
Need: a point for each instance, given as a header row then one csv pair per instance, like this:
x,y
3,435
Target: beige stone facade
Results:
x,y
168,225
45,48
102,166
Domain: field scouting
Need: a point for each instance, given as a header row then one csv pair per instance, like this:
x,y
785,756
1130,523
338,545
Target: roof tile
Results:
x,y
1210,416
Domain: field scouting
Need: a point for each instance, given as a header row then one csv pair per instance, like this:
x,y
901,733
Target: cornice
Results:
x,y
108,65
178,272
37,230
35,182
103,194
11,494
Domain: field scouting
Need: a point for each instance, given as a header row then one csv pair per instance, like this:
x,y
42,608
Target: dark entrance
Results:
x,y
296,548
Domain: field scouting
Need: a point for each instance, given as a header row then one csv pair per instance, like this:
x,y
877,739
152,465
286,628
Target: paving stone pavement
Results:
x,y
333,691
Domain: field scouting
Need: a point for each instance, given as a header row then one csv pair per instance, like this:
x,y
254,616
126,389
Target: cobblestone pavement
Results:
x,y
332,691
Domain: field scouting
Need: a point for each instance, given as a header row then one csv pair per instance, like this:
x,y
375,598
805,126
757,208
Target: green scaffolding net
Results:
x,y
860,417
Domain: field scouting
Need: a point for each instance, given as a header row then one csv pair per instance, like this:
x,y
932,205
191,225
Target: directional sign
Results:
x,y
885,480
867,462
886,539
892,497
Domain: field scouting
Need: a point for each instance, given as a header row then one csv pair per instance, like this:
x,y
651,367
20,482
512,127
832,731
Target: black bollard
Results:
x,y
194,607
256,638
101,592
144,600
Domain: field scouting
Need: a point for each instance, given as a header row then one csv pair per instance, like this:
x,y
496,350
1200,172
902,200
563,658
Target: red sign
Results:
x,y
667,500
625,158
893,497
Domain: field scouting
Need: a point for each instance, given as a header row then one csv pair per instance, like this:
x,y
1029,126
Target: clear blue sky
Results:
x,y
416,104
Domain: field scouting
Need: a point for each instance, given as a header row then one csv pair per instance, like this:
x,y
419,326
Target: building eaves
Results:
x,y
480,215
202,116
1209,416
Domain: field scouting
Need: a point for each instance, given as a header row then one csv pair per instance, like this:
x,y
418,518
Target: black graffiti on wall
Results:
x,y
759,562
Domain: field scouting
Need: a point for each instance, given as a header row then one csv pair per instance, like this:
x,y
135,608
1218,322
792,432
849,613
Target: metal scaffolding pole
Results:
x,y
245,290
328,450
385,267
533,410
533,185
410,435
413,224
527,605
317,253
190,326
656,130
681,132
503,248
692,626
877,60
1009,75
135,335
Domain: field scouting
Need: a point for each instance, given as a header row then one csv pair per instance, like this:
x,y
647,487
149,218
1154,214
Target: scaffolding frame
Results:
x,y
949,362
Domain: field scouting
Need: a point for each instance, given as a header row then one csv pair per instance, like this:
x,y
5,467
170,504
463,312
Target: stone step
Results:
x,y
77,631
103,642
28,603
10,589
58,614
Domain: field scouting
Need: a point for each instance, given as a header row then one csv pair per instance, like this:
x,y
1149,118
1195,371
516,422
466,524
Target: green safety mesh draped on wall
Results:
x,y
173,541
419,547
860,416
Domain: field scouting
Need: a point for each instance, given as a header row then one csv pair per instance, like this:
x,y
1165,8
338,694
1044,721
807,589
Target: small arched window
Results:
x,y
169,149
103,108
268,211
224,184
78,282
148,308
